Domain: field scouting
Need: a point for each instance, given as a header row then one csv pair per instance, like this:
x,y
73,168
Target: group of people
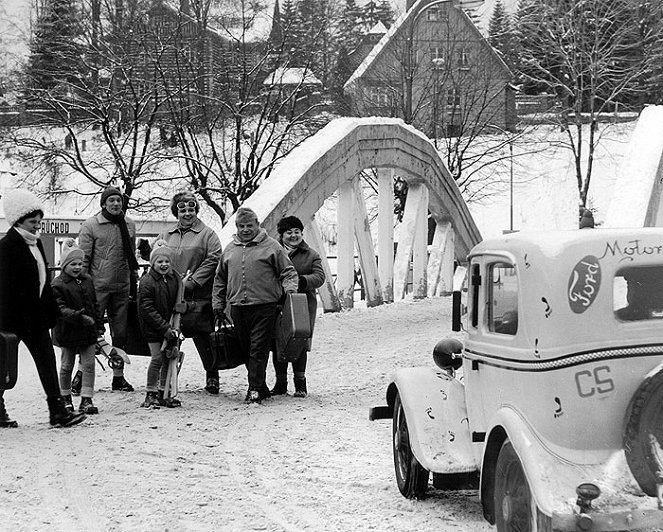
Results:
x,y
246,282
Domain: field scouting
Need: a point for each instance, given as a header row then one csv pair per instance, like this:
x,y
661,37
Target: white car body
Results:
x,y
551,360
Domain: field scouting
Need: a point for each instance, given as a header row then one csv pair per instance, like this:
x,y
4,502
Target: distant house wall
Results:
x,y
436,71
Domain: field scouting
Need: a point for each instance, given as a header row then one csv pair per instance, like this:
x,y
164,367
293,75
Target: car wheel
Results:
x,y
515,510
411,477
643,434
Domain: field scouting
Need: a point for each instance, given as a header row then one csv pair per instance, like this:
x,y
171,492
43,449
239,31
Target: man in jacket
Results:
x,y
253,275
108,241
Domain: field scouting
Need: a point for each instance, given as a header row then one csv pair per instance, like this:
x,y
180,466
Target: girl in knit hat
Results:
x,y
157,296
27,306
79,325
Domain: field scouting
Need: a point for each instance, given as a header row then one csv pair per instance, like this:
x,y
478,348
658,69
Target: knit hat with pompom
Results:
x,y
160,249
70,252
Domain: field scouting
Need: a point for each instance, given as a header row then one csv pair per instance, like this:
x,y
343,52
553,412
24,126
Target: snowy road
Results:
x,y
217,464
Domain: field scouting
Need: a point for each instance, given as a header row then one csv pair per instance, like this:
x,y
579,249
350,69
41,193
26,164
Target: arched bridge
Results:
x,y
331,162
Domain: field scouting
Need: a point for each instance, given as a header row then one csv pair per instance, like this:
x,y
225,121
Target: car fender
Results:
x,y
552,480
436,414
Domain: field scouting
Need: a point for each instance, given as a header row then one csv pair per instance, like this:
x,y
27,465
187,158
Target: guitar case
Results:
x,y
8,360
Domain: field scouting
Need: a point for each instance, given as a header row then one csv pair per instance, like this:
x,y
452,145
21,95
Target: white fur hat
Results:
x,y
17,202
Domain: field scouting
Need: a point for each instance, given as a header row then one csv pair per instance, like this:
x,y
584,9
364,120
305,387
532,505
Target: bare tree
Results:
x,y
176,102
586,53
259,109
112,98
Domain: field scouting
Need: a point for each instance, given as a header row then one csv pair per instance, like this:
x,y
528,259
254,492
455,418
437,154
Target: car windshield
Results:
x,y
638,293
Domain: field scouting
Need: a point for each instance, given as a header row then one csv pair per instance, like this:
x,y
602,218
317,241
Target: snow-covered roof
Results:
x,y
292,76
378,29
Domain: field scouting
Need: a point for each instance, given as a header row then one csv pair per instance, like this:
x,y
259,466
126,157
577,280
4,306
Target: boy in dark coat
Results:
x,y
78,327
157,296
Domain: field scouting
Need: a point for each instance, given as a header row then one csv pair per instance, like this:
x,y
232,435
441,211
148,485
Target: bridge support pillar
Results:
x,y
386,232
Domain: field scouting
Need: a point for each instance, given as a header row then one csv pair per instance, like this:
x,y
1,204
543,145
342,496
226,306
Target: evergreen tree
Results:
x,y
350,25
56,53
342,73
501,34
385,13
369,15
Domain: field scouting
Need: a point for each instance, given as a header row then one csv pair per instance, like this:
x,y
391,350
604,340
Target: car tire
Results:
x,y
643,434
411,477
515,509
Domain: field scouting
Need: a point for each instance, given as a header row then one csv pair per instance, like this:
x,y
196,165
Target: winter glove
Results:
x,y
170,334
219,316
87,320
301,285
133,284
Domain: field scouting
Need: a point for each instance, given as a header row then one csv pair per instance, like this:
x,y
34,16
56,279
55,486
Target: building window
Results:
x,y
380,96
432,14
453,98
438,56
464,59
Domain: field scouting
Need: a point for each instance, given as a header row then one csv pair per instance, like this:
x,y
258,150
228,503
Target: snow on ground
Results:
x,y
289,464
217,464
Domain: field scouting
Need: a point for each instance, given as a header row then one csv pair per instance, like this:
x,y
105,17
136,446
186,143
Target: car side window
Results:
x,y
638,293
502,298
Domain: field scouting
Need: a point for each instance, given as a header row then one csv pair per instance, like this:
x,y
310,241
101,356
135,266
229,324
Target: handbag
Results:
x,y
228,352
8,360
135,342
197,319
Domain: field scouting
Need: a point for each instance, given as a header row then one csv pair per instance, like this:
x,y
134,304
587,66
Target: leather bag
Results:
x,y
227,350
198,319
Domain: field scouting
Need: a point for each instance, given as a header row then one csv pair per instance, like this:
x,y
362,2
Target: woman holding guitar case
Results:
x,y
27,306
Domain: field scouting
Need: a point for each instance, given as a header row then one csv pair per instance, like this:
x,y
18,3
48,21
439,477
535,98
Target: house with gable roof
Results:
x,y
434,69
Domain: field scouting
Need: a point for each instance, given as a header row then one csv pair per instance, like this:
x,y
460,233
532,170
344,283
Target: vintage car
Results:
x,y
556,416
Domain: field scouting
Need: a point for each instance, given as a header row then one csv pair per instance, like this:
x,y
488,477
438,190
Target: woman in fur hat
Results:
x,y
27,306
79,326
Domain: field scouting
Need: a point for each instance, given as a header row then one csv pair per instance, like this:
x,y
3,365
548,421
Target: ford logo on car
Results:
x,y
584,284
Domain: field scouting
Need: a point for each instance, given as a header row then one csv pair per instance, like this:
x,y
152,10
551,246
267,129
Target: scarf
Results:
x,y
288,248
118,219
31,240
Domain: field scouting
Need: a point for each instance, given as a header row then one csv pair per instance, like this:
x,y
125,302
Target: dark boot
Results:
x,y
76,384
151,400
300,388
280,388
120,384
67,403
5,420
87,407
59,415
168,402
212,385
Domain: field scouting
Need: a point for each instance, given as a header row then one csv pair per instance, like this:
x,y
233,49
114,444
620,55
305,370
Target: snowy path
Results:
x,y
217,464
